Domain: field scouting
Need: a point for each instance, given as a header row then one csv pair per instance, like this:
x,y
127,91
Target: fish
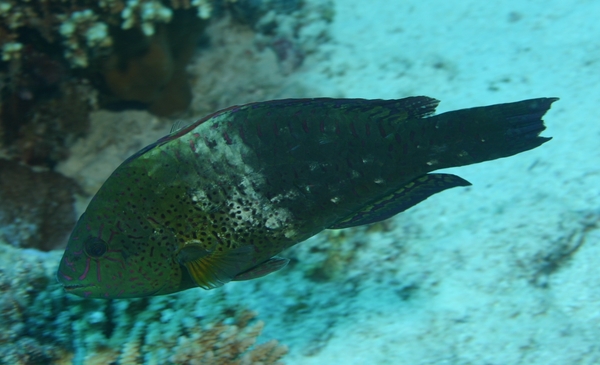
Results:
x,y
218,200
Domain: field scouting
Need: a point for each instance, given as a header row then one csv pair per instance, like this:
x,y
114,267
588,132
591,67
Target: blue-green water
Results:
x,y
502,272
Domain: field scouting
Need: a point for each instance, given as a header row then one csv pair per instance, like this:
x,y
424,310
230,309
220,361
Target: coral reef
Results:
x,y
255,50
39,124
43,325
27,275
83,26
63,59
118,37
291,28
149,68
37,207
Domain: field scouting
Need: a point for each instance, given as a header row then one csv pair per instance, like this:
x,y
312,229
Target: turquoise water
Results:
x,y
502,272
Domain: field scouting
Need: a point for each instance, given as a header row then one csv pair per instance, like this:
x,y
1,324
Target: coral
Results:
x,y
61,59
43,325
42,109
82,33
38,129
218,343
145,13
37,207
259,45
57,55
133,50
163,55
291,28
83,26
27,274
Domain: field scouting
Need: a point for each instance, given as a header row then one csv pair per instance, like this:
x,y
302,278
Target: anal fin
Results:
x,y
400,200
273,264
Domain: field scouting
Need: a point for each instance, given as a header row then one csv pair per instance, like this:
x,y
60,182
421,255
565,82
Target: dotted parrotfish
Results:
x,y
218,200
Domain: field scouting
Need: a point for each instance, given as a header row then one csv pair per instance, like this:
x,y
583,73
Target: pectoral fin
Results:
x,y
212,269
271,265
408,196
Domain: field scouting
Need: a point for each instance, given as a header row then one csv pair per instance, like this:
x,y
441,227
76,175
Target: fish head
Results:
x,y
113,252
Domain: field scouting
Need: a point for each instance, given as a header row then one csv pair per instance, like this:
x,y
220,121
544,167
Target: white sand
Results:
x,y
482,294
504,272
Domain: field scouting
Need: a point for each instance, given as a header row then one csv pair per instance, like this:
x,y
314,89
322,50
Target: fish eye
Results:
x,y
95,247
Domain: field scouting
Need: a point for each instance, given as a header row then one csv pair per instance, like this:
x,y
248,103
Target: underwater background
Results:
x,y
502,272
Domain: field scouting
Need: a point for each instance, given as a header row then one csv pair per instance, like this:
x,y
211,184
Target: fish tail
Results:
x,y
486,133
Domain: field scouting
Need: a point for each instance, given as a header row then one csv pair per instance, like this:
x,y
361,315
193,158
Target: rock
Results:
x,y
37,208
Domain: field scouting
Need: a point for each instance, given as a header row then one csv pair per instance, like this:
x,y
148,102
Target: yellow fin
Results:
x,y
212,269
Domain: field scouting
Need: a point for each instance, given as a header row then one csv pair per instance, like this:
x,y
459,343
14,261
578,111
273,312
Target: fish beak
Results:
x,y
79,290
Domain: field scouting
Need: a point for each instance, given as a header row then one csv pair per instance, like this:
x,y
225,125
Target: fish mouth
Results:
x,y
77,287
84,291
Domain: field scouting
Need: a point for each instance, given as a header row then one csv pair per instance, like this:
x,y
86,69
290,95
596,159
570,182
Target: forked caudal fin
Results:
x,y
490,132
460,138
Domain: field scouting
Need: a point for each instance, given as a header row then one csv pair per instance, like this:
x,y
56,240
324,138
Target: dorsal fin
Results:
x,y
179,128
179,124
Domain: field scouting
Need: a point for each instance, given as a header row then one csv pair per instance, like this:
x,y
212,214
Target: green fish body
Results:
x,y
218,200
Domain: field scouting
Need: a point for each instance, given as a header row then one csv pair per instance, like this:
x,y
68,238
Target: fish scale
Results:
x,y
218,200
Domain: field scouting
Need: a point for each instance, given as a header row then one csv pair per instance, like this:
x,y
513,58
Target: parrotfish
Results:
x,y
219,199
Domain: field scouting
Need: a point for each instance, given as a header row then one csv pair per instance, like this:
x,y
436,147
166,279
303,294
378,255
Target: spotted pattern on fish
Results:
x,y
219,199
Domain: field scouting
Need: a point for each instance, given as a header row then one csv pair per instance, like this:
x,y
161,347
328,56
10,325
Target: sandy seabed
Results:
x,y
504,272
509,268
